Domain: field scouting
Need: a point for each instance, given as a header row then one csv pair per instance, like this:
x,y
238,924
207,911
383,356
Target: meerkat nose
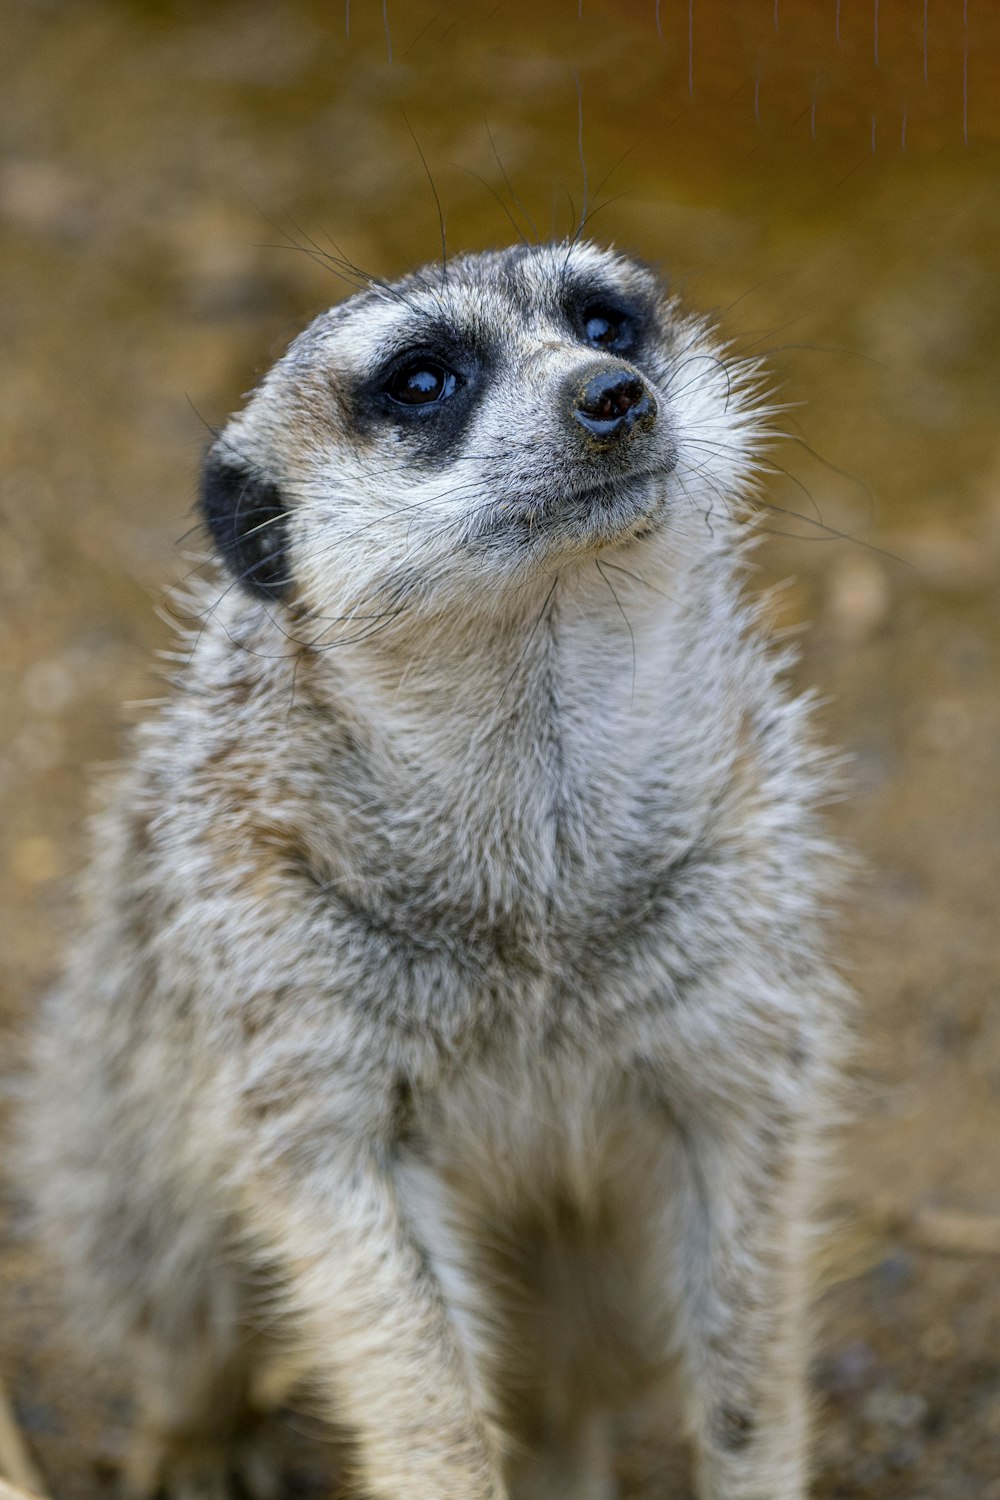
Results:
x,y
610,404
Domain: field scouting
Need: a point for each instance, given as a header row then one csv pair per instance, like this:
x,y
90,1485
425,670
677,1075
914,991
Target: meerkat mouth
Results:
x,y
621,490
610,511
599,512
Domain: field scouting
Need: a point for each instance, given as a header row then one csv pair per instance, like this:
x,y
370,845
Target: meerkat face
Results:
x,y
511,412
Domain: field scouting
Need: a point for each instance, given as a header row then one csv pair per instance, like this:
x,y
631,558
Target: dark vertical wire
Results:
x,y
965,71
583,158
876,33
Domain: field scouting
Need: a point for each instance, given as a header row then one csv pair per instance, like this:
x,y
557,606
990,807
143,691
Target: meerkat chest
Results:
x,y
534,865
533,1130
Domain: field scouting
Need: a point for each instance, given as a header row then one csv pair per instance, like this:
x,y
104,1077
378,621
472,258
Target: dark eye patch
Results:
x,y
426,392
608,327
606,319
421,382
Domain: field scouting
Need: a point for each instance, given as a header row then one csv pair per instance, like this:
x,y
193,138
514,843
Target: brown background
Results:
x,y
835,198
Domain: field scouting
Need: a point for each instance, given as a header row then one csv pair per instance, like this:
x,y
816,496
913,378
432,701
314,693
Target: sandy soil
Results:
x,y
159,161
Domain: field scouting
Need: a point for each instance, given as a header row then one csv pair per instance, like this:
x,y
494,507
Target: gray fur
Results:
x,y
450,1023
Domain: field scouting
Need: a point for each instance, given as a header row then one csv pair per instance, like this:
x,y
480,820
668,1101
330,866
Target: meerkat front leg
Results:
x,y
376,1332
742,1316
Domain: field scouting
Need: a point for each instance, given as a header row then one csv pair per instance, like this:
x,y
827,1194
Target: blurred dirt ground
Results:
x,y
841,211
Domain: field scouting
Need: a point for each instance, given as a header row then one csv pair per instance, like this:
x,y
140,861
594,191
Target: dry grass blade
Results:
x,y
11,1492
947,1231
865,1233
18,1476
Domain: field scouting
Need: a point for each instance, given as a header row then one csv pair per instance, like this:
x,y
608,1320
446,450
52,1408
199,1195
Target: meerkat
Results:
x,y
451,1021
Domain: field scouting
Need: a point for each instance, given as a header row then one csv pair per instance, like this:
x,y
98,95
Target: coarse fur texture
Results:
x,y
451,1025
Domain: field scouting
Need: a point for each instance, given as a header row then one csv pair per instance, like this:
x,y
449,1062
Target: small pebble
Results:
x,y
885,1407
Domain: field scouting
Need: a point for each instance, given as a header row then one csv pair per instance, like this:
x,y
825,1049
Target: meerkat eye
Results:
x,y
421,382
608,328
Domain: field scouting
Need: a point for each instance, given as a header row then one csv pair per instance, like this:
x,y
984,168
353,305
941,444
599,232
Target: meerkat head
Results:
x,y
447,437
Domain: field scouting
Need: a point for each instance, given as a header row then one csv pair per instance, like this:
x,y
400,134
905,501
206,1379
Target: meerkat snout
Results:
x,y
612,404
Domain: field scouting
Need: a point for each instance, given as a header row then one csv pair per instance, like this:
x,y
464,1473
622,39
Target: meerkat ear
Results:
x,y
246,515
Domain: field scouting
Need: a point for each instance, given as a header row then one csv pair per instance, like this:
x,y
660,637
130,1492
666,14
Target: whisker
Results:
x,y
621,610
491,189
617,568
437,200
503,170
695,359
495,724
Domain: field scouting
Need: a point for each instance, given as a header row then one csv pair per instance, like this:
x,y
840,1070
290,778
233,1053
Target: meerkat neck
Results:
x,y
499,753
591,644
572,703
